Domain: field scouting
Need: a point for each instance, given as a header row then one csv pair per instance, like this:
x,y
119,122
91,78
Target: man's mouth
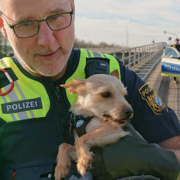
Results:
x,y
49,53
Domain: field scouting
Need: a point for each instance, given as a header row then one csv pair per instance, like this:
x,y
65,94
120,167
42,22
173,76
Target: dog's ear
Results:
x,y
115,73
73,86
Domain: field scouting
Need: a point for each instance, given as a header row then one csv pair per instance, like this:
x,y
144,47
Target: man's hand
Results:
x,y
174,145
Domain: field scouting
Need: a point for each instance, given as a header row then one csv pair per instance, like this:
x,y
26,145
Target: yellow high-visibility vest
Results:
x,y
29,98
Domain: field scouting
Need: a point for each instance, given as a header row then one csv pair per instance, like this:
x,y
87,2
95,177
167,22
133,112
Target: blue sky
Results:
x,y
146,20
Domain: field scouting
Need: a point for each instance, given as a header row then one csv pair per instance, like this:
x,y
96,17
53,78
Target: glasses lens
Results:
x,y
26,29
59,21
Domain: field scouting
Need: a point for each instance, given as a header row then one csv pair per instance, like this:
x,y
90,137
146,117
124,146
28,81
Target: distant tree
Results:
x,y
5,48
82,44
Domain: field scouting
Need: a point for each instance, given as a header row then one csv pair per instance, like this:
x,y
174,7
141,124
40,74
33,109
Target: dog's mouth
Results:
x,y
106,115
122,121
119,121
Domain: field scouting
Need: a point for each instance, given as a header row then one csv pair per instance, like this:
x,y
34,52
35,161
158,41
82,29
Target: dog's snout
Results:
x,y
128,112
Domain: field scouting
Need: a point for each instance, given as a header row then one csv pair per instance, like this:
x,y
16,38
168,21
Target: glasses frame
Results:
x,y
12,26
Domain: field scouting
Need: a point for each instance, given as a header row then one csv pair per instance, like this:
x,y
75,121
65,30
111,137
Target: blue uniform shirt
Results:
x,y
152,118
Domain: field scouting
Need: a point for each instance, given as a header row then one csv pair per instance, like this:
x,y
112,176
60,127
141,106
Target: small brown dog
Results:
x,y
100,97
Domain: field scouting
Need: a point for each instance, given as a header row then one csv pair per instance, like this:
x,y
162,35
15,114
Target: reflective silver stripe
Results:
x,y
89,54
4,99
104,55
13,97
22,115
3,63
23,97
96,54
12,115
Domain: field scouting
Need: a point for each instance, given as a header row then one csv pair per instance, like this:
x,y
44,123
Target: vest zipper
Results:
x,y
60,110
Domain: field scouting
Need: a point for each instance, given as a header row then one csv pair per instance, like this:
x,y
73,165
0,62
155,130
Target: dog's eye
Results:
x,y
106,94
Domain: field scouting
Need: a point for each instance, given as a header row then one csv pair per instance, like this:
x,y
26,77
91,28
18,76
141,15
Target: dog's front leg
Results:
x,y
66,154
104,134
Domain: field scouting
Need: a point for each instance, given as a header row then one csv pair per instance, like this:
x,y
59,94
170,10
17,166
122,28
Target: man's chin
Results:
x,y
53,72
42,72
47,74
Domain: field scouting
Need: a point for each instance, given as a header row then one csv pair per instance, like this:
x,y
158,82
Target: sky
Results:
x,y
127,22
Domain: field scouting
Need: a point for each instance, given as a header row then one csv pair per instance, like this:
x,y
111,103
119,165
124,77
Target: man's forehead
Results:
x,y
4,4
21,7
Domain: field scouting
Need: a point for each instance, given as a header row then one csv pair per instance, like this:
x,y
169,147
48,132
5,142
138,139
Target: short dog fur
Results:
x,y
100,96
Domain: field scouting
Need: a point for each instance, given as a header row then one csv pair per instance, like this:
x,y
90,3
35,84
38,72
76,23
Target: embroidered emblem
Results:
x,y
79,123
158,101
152,99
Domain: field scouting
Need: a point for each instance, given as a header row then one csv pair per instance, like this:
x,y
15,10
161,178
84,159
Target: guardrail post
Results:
x,y
129,64
134,57
123,57
139,54
145,49
114,54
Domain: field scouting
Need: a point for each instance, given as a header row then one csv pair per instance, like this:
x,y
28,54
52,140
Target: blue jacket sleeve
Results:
x,y
152,118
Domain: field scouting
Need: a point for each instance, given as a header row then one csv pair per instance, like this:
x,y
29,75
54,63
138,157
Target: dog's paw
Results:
x,y
84,163
81,169
61,172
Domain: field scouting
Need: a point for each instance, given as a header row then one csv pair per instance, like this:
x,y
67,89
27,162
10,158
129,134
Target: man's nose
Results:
x,y
45,35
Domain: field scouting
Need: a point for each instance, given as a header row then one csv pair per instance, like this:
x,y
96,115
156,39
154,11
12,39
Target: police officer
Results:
x,y
176,45
34,116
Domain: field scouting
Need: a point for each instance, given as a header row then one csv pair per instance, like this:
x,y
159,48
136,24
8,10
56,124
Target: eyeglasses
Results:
x,y
31,28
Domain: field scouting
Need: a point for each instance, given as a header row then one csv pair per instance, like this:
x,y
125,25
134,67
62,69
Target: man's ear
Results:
x,y
2,28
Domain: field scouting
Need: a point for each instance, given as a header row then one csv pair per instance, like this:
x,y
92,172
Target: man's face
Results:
x,y
47,53
176,42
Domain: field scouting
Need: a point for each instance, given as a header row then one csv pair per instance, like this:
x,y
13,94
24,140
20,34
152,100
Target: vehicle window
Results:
x,y
169,53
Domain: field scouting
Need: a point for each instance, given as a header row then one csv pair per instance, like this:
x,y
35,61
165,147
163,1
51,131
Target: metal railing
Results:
x,y
132,56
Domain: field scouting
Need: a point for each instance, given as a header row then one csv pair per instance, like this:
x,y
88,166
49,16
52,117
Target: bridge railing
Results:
x,y
132,56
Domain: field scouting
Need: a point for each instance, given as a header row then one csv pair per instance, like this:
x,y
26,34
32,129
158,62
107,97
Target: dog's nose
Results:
x,y
128,112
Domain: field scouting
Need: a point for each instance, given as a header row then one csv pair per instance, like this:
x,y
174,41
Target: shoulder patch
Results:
x,y
152,99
